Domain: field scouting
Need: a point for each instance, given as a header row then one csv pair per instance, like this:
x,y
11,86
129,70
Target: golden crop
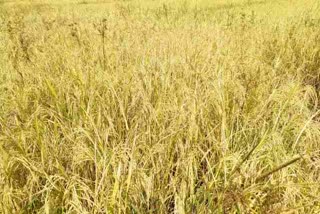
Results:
x,y
144,106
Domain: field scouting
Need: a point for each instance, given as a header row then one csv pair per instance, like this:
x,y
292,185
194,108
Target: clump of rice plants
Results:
x,y
159,107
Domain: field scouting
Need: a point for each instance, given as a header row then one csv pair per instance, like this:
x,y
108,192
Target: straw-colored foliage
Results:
x,y
148,106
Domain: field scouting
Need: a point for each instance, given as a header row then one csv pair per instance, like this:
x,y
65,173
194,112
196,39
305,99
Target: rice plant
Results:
x,y
159,106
